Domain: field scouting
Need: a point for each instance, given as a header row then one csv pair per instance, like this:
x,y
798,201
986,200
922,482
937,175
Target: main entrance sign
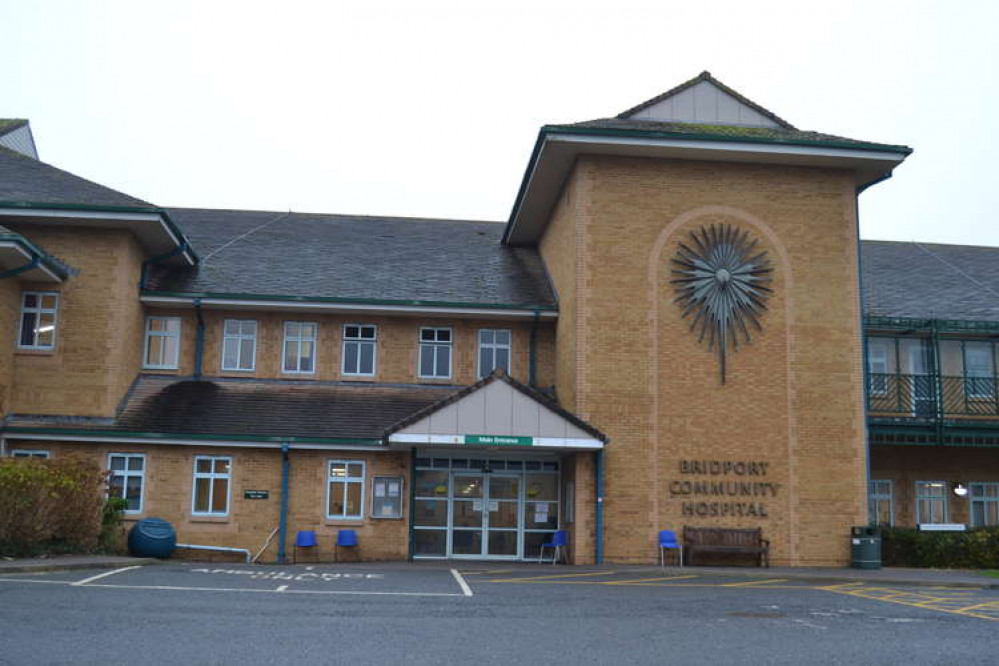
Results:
x,y
721,278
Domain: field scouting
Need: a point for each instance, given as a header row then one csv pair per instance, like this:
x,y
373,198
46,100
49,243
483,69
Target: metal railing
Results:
x,y
932,396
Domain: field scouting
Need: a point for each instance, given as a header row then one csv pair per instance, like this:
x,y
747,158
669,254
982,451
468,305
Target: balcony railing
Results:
x,y
932,396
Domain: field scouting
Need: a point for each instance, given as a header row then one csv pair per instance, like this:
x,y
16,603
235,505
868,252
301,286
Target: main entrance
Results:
x,y
484,509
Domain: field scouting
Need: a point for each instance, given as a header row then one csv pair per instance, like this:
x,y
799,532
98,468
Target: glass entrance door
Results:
x,y
467,522
486,515
504,518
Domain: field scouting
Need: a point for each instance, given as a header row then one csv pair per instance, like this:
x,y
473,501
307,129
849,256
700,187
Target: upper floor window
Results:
x,y
984,503
38,320
435,353
162,343
878,367
360,351
494,351
127,481
300,347
931,502
979,372
239,344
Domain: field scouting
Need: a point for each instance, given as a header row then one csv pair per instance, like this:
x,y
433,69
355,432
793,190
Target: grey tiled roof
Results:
x,y
355,258
8,125
930,281
27,181
723,132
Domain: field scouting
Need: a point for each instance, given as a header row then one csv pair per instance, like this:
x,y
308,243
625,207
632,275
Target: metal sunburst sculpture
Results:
x,y
722,279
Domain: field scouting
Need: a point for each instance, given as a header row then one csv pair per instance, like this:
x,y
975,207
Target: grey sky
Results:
x,y
431,108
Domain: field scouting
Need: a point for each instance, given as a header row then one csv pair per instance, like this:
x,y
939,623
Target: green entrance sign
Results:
x,y
499,440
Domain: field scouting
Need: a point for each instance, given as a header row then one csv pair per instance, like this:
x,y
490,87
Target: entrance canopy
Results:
x,y
498,411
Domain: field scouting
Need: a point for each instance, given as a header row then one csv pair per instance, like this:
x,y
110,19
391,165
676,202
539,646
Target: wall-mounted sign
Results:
x,y
256,494
499,440
723,488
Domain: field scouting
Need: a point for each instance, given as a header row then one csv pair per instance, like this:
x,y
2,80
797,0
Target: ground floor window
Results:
x,y
484,509
984,503
128,476
931,502
879,503
345,490
29,453
212,475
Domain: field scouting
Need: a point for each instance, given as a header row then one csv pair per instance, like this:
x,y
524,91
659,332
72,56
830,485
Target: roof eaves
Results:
x,y
54,265
705,76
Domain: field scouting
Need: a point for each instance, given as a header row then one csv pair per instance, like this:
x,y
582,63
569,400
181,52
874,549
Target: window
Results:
x,y
494,351
345,489
38,320
879,503
360,350
931,502
128,479
300,347
978,370
211,485
435,353
29,453
387,497
877,365
984,503
162,343
239,344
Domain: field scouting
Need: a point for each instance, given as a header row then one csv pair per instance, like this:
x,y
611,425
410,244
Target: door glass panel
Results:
x,y
542,487
502,514
430,542
466,542
542,515
430,513
468,513
503,543
431,484
504,487
533,541
467,486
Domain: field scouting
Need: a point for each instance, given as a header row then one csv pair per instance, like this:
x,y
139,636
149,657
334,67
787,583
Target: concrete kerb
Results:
x,y
47,565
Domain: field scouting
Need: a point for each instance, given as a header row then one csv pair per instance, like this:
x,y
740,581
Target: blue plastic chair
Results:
x,y
304,539
668,541
558,542
344,539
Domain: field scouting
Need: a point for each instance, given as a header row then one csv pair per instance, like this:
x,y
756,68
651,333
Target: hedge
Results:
x,y
53,506
974,549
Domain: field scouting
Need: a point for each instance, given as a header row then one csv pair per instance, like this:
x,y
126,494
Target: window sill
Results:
x,y
435,380
386,517
345,522
19,351
209,519
358,378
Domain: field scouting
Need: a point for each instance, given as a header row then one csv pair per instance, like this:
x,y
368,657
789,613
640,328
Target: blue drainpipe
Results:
x,y
283,532
600,506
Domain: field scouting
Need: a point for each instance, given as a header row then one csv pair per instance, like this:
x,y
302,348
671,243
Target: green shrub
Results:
x,y
974,549
50,506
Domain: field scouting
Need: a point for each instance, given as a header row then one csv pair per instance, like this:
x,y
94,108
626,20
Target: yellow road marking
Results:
x,y
752,583
987,604
555,576
643,580
893,597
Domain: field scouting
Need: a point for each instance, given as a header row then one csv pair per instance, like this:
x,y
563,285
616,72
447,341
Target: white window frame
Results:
x,y
942,498
30,453
877,385
128,473
875,495
359,341
161,334
983,499
238,337
38,311
298,340
434,346
346,480
211,476
493,346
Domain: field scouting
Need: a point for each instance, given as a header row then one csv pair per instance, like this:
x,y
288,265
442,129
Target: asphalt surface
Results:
x,y
416,614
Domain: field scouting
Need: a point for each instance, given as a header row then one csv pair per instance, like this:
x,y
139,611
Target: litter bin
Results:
x,y
865,547
152,537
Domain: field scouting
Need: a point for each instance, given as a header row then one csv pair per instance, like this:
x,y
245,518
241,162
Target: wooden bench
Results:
x,y
725,540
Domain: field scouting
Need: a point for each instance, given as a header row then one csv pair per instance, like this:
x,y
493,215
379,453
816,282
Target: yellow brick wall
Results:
x,y
95,357
397,349
10,304
904,465
792,399
168,495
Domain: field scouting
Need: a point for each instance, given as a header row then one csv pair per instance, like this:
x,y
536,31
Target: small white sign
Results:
x,y
493,505
379,490
477,505
393,488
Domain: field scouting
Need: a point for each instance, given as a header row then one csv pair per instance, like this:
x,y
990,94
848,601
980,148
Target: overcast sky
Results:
x,y
431,108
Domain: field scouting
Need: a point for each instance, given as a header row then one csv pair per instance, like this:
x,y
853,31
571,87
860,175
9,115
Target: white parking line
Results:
x,y
465,589
105,574
282,588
